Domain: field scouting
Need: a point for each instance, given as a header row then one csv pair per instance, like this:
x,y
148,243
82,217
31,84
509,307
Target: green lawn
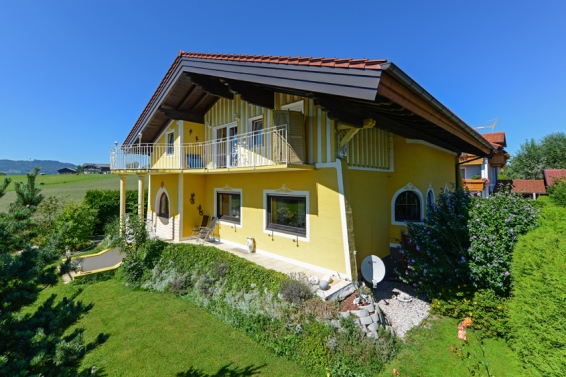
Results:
x,y
426,353
157,334
67,186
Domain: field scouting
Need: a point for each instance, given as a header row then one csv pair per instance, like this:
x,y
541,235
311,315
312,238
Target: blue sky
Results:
x,y
75,75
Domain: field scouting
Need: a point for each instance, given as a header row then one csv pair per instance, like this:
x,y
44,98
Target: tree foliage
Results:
x,y
533,158
34,341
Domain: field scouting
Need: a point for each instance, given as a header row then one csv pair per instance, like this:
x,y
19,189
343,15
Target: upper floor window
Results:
x,y
287,214
163,205
407,207
170,143
257,132
228,206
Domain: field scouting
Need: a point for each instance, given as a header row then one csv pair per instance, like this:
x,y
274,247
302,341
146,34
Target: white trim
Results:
x,y
391,244
167,154
369,169
311,142
422,142
228,190
328,139
157,204
319,133
408,187
285,191
181,141
295,106
430,189
342,202
249,123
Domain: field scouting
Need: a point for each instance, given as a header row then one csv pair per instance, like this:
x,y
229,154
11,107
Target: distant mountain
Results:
x,y
23,167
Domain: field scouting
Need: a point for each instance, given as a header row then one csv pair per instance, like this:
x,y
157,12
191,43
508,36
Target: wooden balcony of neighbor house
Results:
x,y
498,160
265,149
474,184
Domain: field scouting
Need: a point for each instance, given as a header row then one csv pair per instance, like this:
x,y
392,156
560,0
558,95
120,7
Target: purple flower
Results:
x,y
511,231
506,273
463,259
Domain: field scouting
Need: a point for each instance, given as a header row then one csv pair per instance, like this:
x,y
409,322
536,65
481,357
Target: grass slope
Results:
x,y
426,353
156,334
67,186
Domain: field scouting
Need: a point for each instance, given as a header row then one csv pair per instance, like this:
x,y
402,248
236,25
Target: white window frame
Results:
x,y
408,187
306,194
229,190
170,147
252,139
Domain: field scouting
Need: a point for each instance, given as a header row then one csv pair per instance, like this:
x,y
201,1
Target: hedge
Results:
x,y
538,306
107,202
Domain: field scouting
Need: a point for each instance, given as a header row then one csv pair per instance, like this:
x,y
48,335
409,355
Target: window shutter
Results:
x,y
295,134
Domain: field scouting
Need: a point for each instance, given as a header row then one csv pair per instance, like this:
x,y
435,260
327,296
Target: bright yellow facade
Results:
x,y
322,163
378,165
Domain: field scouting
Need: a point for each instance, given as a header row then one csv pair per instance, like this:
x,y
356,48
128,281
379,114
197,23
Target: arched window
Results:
x,y
430,200
408,207
164,206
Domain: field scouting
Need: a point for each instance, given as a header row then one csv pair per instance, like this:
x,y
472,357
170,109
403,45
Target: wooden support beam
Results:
x,y
181,115
211,85
252,94
349,135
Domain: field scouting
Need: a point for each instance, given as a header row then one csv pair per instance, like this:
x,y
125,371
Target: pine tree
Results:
x,y
33,342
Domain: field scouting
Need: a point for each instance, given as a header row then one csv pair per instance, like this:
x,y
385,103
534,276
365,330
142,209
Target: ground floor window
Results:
x,y
163,206
407,207
228,206
287,214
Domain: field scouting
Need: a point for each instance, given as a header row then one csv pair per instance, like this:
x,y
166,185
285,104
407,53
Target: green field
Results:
x,y
159,334
68,187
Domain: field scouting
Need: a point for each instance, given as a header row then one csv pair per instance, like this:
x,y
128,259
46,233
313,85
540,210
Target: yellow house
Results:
x,y
321,161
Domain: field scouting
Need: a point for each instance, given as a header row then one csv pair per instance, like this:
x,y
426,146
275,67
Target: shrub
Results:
x,y
489,311
494,225
295,291
75,226
537,310
557,192
107,203
435,252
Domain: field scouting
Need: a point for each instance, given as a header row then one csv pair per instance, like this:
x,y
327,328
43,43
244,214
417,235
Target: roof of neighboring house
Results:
x,y
98,166
66,169
349,90
497,138
523,186
551,174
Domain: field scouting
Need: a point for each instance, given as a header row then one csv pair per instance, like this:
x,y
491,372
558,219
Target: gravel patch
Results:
x,y
401,306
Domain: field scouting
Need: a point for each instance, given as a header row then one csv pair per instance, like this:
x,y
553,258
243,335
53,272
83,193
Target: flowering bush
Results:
x,y
494,225
435,253
466,239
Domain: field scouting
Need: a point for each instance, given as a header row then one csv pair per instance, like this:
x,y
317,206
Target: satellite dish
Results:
x,y
373,269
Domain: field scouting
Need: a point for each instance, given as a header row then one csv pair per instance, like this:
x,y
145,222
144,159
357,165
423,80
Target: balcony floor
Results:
x,y
338,288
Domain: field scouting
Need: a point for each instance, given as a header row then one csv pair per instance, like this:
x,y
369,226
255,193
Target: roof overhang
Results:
x,y
379,91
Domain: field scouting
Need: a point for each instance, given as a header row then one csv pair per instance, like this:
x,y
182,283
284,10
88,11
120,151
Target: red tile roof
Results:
x,y
551,174
497,138
296,60
526,186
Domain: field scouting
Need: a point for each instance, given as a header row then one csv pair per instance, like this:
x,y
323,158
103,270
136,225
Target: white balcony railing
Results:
x,y
260,148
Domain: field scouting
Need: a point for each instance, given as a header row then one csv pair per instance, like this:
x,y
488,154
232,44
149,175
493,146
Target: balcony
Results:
x,y
250,150
474,184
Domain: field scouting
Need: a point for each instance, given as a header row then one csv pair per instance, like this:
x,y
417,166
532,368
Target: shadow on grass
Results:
x,y
225,371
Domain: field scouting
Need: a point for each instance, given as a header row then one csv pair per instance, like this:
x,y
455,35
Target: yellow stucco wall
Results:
x,y
423,166
370,202
324,246
170,182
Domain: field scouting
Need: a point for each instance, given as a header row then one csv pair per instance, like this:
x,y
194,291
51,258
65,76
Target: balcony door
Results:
x,y
225,150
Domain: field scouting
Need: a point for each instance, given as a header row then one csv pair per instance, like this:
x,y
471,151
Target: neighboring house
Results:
x,y
321,161
66,171
89,168
532,188
550,175
479,173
